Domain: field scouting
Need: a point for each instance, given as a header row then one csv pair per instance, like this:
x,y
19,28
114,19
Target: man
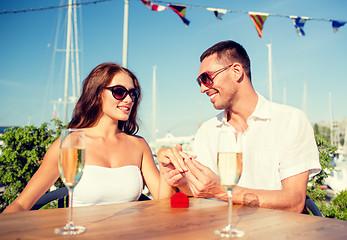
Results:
x,y
279,149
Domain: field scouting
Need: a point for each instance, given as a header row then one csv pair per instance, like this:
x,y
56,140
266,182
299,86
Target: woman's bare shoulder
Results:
x,y
138,140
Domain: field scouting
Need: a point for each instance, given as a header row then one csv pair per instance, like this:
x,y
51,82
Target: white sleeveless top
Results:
x,y
101,185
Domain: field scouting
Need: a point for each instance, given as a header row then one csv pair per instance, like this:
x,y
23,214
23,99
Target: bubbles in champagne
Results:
x,y
71,165
229,167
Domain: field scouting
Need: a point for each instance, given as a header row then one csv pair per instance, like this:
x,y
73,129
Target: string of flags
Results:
x,y
180,9
153,7
257,18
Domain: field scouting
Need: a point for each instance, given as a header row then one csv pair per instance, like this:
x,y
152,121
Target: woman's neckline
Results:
x,y
111,167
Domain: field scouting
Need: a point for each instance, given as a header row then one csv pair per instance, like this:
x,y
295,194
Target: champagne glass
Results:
x,y
71,165
229,161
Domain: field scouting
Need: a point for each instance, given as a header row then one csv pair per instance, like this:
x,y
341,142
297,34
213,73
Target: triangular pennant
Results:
x,y
181,11
299,23
154,7
217,12
337,24
259,20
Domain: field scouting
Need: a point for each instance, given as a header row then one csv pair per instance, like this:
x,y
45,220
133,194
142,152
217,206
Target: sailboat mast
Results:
x,y
331,120
304,101
77,59
270,71
154,98
125,34
67,58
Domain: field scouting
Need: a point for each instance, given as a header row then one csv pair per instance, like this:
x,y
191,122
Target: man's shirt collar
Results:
x,y
261,112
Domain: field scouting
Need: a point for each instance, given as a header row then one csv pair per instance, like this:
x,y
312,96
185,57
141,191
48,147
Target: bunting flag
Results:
x,y
181,11
299,23
154,7
259,20
337,24
217,12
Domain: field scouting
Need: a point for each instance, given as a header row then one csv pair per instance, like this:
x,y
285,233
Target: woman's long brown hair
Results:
x,y
88,109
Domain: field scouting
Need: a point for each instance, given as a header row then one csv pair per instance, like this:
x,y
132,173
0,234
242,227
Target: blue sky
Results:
x,y
32,72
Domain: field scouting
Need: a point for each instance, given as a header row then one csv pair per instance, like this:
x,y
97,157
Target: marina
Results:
x,y
175,95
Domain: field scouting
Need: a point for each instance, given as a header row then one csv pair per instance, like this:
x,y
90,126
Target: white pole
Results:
x,y
200,107
331,120
284,95
270,71
154,123
304,101
73,75
77,53
54,111
125,34
67,57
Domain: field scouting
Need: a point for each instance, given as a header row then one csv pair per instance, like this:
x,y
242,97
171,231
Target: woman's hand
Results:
x,y
172,165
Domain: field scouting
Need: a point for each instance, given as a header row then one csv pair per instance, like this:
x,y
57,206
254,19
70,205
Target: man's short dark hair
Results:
x,y
231,52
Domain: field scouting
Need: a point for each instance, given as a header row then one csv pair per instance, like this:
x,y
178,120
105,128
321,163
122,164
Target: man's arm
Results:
x,y
290,198
205,183
200,181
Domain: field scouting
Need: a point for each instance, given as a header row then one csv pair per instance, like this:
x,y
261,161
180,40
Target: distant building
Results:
x,y
335,132
170,141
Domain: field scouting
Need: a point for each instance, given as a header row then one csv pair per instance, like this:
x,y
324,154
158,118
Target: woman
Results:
x,y
116,161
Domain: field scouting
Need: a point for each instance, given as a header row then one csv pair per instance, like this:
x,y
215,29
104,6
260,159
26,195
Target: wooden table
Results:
x,y
157,220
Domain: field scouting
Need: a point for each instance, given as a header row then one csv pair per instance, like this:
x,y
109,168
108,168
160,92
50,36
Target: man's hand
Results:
x,y
203,182
191,177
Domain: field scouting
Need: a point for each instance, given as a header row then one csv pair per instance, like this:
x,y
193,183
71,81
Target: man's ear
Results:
x,y
238,72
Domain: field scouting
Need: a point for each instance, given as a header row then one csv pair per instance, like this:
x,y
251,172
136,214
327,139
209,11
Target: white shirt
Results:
x,y
278,143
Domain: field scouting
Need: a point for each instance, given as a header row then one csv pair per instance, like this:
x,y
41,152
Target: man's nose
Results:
x,y
203,88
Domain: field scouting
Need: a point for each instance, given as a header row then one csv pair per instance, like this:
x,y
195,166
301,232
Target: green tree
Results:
x,y
325,150
337,207
340,201
21,154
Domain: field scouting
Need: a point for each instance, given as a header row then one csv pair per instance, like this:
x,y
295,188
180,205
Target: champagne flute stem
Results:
x,y
230,203
70,205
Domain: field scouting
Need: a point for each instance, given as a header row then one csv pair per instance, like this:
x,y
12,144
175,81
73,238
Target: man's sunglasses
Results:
x,y
119,92
207,79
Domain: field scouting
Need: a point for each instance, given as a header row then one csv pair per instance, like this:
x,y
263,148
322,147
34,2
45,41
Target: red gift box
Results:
x,y
179,200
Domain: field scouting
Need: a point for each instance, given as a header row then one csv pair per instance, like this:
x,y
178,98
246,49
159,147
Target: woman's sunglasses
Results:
x,y
207,79
119,92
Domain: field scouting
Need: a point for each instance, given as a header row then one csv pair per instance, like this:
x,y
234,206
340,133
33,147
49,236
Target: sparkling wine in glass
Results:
x,y
71,165
229,161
